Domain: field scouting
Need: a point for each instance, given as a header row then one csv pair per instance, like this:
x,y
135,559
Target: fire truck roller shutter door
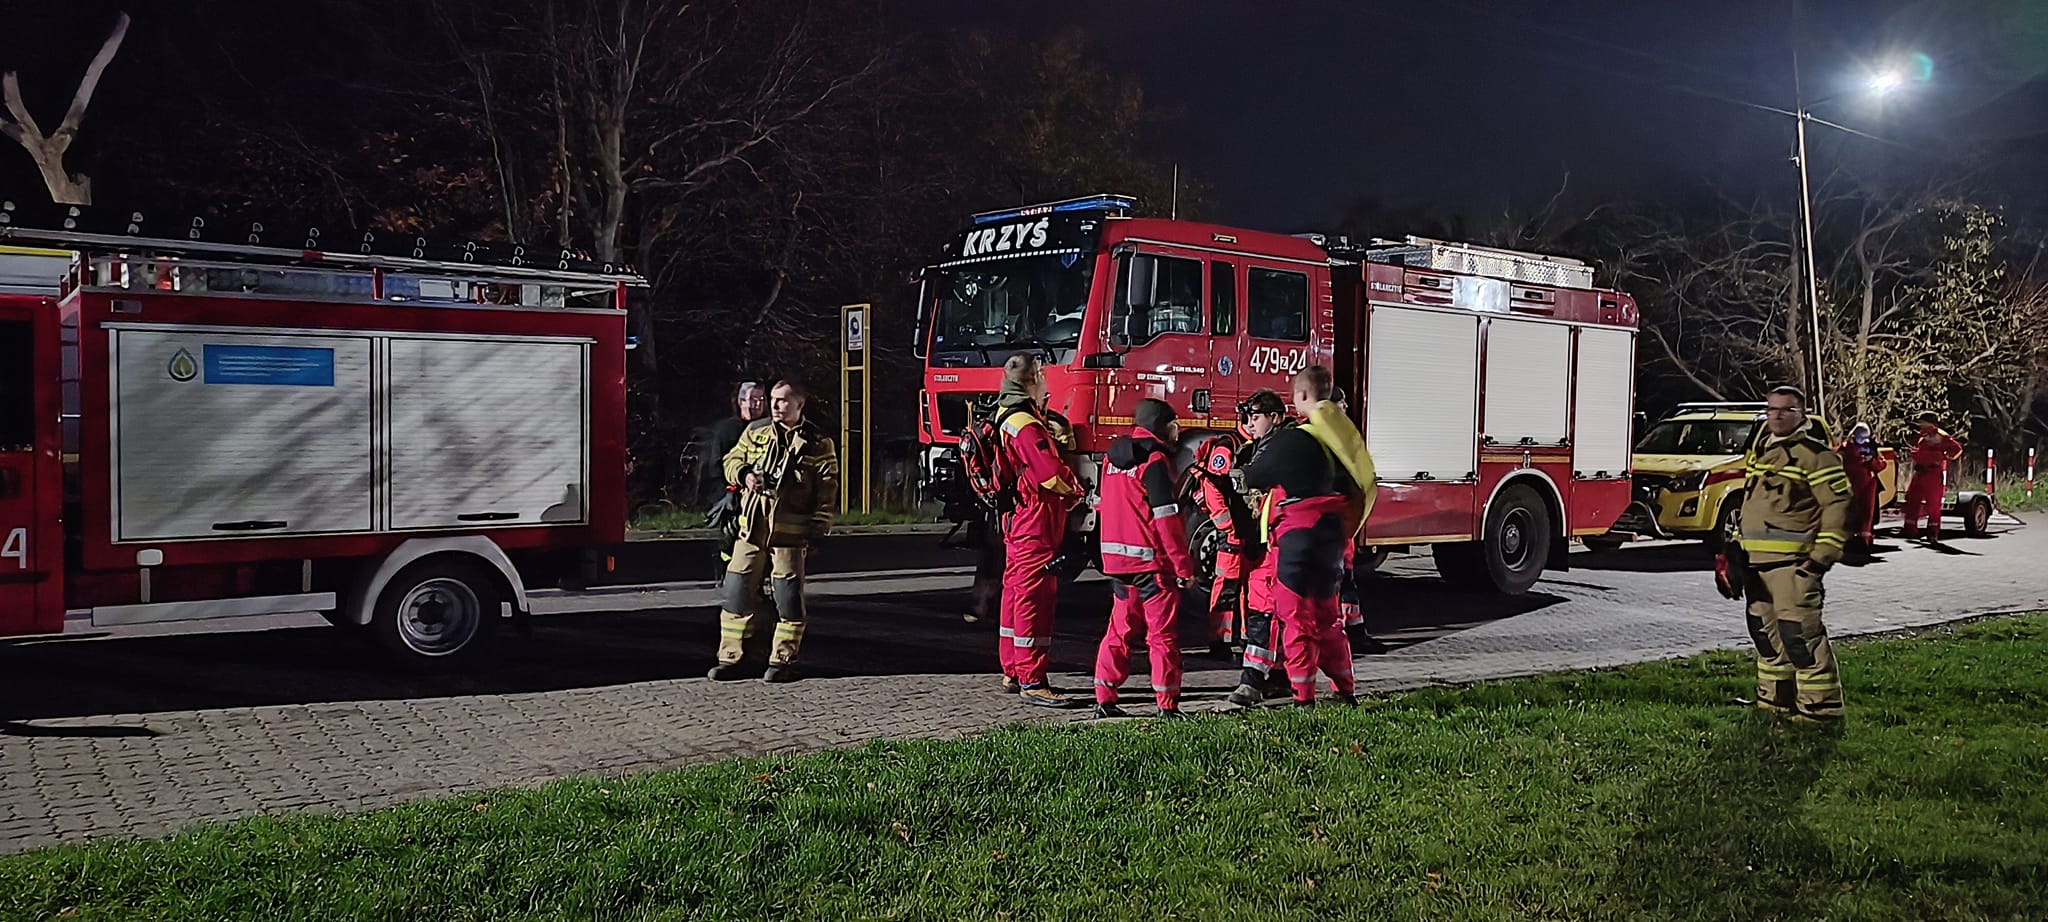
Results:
x,y
1423,375
1528,393
1601,438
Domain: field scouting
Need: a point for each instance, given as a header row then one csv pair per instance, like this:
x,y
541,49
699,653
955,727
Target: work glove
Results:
x,y
1724,579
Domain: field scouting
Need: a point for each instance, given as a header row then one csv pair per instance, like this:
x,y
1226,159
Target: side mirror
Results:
x,y
922,337
1141,289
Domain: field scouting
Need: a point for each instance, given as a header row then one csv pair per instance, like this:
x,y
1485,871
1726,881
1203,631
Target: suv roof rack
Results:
x,y
1757,406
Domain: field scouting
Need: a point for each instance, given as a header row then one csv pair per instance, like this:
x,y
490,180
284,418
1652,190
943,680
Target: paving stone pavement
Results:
x,y
99,774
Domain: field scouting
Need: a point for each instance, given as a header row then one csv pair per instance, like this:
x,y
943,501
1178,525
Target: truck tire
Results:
x,y
438,611
1977,516
1518,536
1512,551
1204,540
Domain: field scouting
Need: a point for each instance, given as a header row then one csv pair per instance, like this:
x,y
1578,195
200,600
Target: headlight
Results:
x,y
1689,483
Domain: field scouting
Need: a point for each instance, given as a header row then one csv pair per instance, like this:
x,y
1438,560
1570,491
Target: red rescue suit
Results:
x,y
1310,528
1931,455
1145,555
1262,634
1861,462
1032,534
1226,511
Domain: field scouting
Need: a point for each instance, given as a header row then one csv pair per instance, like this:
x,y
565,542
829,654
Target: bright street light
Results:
x,y
1881,83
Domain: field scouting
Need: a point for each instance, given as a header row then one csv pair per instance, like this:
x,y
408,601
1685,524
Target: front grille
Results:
x,y
1647,486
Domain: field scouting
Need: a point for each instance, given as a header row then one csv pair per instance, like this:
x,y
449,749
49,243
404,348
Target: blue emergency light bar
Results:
x,y
1103,202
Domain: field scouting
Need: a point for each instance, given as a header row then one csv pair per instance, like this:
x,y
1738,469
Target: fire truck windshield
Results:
x,y
988,310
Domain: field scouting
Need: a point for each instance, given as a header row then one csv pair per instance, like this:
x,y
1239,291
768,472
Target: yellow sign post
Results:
x,y
853,400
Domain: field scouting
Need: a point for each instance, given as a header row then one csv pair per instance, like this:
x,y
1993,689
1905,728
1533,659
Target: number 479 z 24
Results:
x,y
1274,360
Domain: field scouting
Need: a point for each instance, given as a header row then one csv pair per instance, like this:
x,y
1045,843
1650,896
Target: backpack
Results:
x,y
990,476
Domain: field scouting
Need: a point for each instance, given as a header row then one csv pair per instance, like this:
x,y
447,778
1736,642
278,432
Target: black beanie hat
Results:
x,y
1153,415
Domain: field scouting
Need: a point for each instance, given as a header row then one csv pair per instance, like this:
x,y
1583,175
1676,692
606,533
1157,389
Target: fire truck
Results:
x,y
1494,387
403,439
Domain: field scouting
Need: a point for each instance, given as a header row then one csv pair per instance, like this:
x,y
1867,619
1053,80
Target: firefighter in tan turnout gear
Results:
x,y
1794,526
788,474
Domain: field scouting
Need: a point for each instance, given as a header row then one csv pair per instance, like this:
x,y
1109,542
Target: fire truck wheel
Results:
x,y
1517,539
438,610
1204,540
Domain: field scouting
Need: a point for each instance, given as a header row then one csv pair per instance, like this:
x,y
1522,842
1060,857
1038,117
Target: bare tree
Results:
x,y
48,150
1717,295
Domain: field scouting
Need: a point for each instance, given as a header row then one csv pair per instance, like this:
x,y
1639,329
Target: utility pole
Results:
x,y
1801,116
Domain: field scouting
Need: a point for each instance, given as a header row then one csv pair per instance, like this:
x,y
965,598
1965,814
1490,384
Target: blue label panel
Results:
x,y
289,366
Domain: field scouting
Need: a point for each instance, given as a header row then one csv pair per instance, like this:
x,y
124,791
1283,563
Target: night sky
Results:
x,y
1290,110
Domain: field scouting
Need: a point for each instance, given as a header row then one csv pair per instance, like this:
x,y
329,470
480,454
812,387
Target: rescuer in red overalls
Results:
x,y
1262,414
1932,452
1145,556
1314,520
1046,490
1233,521
1860,460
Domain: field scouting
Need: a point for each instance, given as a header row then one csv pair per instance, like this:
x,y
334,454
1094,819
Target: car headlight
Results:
x,y
1689,483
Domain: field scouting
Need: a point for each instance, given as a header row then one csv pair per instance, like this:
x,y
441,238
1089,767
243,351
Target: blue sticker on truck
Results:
x,y
288,366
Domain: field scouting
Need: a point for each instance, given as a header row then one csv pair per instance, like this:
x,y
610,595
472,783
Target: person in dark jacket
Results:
x,y
1264,669
1313,519
1145,555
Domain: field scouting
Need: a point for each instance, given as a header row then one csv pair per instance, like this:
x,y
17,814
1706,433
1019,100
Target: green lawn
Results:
x,y
1632,794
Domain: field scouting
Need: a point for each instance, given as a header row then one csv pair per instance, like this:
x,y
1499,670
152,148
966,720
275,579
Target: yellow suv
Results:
x,y
1688,471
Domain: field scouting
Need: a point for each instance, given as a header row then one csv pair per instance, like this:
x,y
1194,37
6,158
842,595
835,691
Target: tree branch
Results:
x,y
91,82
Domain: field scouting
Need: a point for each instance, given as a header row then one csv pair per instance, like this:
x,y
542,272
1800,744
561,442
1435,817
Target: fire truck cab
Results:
x,y
1494,387
198,429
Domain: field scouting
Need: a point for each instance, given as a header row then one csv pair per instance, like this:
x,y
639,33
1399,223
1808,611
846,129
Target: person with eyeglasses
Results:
x,y
1794,528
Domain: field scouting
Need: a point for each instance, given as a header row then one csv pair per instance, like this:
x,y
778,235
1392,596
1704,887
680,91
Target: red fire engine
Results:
x,y
1494,387
194,429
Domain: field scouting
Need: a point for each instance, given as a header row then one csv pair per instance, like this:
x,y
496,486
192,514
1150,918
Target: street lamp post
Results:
x,y
1880,84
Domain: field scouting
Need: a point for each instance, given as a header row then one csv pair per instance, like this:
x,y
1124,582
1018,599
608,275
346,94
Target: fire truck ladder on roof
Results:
x,y
399,270
1471,259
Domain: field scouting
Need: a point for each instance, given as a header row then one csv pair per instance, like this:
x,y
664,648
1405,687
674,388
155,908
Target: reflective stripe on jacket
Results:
x,y
1795,502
